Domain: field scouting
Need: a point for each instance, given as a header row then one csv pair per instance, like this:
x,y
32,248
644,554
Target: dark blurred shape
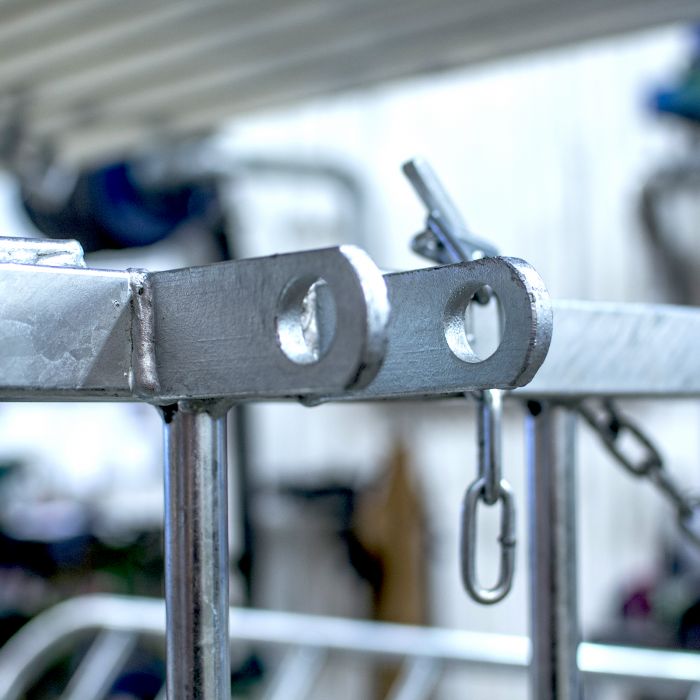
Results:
x,y
339,503
108,208
689,628
638,604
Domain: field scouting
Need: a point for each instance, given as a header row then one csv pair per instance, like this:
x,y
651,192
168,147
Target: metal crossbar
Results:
x,y
310,640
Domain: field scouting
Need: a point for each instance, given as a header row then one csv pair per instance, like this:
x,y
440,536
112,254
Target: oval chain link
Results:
x,y
443,243
611,426
490,489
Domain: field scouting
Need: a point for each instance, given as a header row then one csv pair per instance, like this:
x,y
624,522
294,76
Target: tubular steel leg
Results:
x,y
552,524
196,553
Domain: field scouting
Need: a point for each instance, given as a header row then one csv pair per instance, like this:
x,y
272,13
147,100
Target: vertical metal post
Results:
x,y
554,627
196,553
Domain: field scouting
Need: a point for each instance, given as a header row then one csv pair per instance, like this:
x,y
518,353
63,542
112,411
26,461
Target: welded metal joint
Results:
x,y
144,374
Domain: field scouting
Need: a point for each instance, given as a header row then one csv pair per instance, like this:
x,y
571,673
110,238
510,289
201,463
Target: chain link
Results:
x,y
489,436
490,489
611,426
446,239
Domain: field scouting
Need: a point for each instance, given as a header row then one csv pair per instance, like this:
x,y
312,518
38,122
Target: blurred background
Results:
x,y
177,134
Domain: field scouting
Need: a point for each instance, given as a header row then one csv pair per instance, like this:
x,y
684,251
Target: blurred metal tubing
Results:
x,y
197,63
296,675
417,680
101,666
26,655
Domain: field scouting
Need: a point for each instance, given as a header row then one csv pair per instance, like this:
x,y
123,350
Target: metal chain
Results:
x,y
447,239
611,426
489,488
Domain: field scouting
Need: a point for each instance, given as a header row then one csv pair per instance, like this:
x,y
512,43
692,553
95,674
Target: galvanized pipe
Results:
x,y
554,629
196,553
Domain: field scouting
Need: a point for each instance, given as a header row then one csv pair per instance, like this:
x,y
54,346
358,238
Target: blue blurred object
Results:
x,y
109,209
682,99
137,217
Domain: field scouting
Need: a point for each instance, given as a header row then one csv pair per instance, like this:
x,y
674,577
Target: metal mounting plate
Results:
x,y
426,328
219,331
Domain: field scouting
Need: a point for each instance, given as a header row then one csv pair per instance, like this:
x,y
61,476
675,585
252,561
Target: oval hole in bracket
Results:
x,y
473,330
306,320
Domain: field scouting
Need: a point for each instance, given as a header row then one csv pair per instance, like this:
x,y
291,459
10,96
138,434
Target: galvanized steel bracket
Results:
x,y
250,329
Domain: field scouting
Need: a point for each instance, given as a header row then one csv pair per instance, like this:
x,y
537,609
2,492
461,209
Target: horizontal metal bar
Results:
x,y
75,333
67,333
233,330
607,349
64,333
245,330
33,648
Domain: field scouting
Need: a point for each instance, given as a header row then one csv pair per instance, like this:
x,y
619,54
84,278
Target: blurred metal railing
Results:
x,y
310,642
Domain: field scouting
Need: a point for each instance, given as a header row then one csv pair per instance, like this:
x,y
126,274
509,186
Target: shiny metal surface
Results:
x,y
481,593
428,352
237,329
491,489
89,334
554,626
41,251
446,237
300,325
65,333
68,334
36,645
243,330
196,553
490,438
611,349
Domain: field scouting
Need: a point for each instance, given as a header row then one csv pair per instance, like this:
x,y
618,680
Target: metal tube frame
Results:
x,y
554,628
194,341
196,552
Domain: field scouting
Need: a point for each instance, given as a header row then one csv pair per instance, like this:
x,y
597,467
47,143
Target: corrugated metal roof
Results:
x,y
106,71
